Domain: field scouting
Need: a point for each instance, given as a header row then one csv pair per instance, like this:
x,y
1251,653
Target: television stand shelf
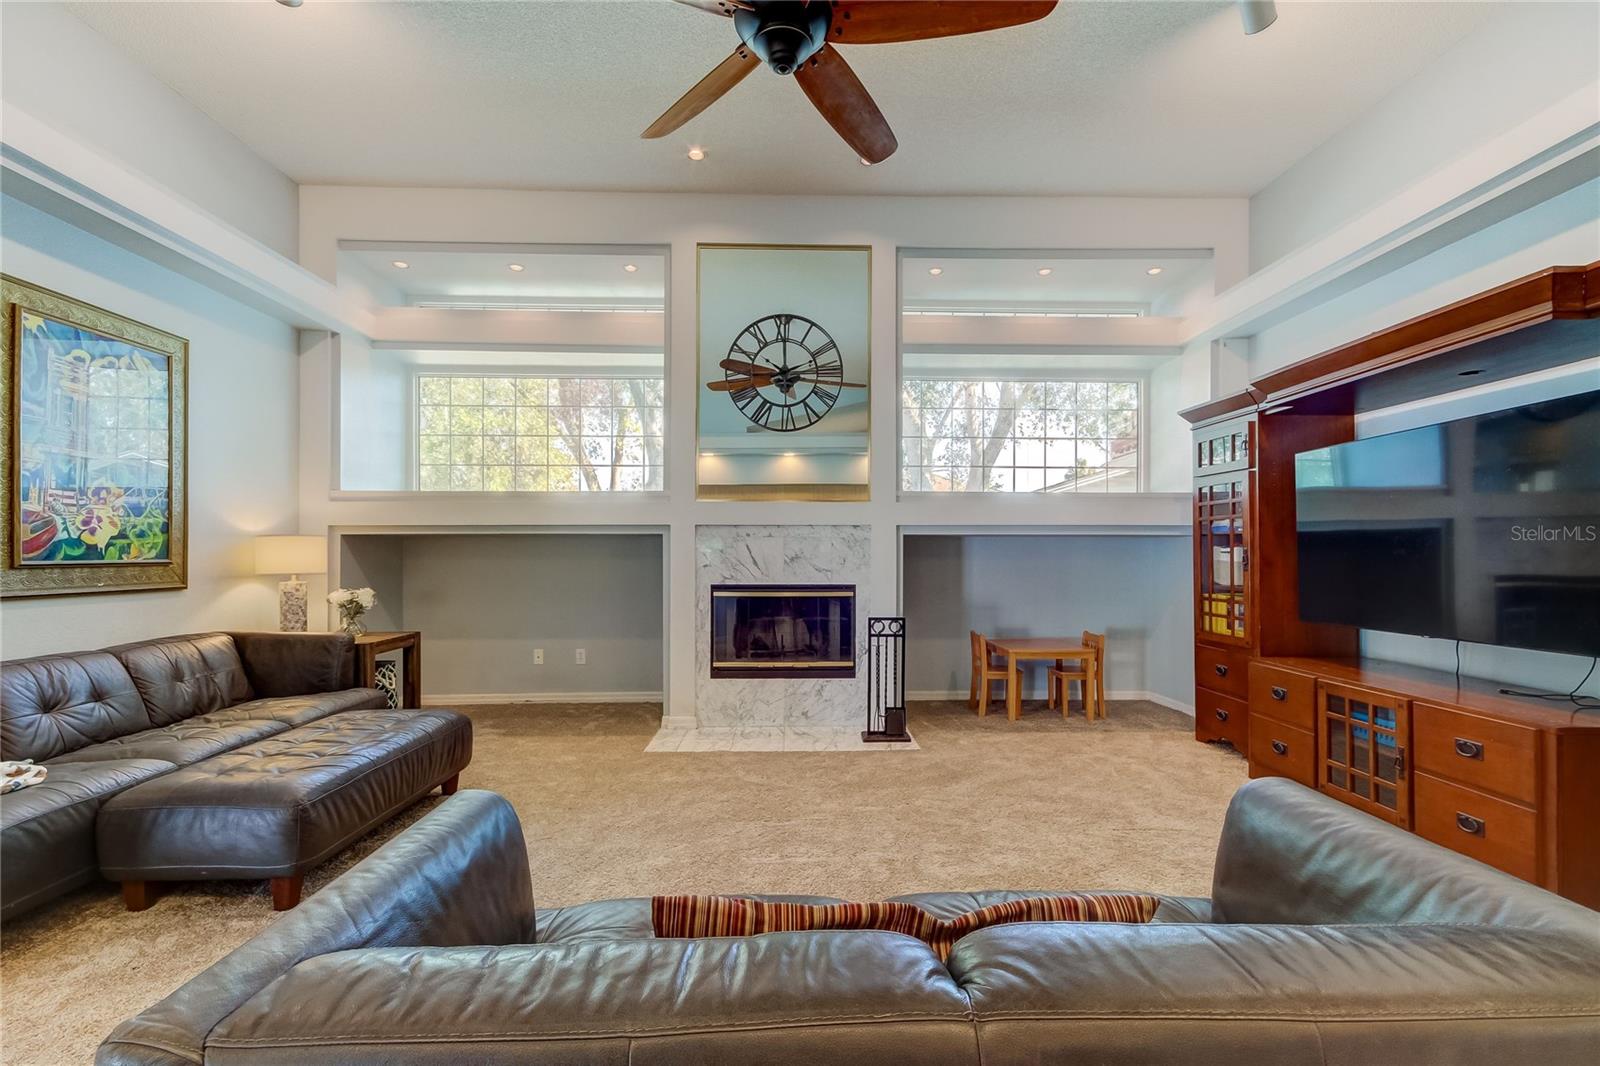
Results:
x,y
1507,780
1512,781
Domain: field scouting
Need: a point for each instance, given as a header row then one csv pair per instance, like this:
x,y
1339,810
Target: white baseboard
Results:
x,y
1115,694
472,698
679,721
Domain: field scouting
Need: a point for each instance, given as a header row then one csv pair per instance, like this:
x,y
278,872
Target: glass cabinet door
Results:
x,y
1363,737
1222,559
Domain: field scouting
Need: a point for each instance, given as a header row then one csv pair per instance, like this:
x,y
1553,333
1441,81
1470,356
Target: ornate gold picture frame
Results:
x,y
94,468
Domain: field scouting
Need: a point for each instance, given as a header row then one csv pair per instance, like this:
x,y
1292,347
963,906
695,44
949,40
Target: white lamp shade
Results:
x,y
291,555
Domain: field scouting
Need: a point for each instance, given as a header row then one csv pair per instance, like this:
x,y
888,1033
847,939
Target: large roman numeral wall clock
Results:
x,y
783,353
783,372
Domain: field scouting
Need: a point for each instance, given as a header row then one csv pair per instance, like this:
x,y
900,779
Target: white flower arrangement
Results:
x,y
352,604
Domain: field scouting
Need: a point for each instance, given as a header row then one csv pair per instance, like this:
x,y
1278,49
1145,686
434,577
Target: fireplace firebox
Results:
x,y
783,631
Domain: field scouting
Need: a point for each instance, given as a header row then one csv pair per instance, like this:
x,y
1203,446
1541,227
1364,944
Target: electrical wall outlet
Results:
x,y
538,656
583,656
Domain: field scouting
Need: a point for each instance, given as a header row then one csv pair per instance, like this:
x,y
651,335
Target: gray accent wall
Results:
x,y
484,602
1133,588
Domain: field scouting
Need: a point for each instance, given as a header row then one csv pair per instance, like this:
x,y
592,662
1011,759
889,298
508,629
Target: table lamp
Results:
x,y
292,555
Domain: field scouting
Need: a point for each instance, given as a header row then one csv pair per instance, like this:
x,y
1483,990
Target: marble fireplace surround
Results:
x,y
777,713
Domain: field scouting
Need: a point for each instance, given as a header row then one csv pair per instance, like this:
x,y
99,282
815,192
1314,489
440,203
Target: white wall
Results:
x,y
243,423
1524,59
374,416
1564,229
678,222
64,74
1134,589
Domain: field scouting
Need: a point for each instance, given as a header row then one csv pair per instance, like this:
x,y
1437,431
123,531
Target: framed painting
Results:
x,y
783,406
95,449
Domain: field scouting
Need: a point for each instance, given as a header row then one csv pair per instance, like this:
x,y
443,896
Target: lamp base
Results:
x,y
292,606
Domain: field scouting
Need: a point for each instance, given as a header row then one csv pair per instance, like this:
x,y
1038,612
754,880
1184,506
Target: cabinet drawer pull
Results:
x,y
1468,824
1469,749
1279,693
1222,715
1280,748
1222,671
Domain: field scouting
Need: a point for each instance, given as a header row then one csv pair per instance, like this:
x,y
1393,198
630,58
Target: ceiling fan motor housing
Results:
x,y
784,33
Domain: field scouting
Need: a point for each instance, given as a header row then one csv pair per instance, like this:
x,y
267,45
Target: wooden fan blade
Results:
x,y
834,90
735,384
725,8
883,22
707,91
739,366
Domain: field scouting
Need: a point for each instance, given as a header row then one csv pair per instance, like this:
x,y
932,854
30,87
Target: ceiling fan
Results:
x,y
798,37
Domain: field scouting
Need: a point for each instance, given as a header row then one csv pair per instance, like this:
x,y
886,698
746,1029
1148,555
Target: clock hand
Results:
x,y
835,384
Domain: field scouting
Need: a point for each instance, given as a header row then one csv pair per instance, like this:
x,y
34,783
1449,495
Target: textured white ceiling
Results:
x,y
1099,98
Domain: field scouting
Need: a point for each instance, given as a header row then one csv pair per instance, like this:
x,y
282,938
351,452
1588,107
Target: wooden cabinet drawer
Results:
x,y
1220,717
1488,829
1483,754
1278,750
1225,670
1283,694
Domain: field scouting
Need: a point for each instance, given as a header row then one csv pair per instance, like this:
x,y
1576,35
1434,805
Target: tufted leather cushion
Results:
x,y
181,743
282,805
180,677
303,710
57,703
47,830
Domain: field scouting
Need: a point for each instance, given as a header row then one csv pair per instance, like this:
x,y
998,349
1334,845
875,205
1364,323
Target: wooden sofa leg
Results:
x,y
451,783
286,891
138,895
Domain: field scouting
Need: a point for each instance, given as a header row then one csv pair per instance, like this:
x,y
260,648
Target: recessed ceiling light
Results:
x,y
518,267
1153,271
866,162
697,153
630,268
1045,272
936,271
788,455
400,264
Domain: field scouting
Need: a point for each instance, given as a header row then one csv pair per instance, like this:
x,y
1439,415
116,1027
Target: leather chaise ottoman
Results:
x,y
279,806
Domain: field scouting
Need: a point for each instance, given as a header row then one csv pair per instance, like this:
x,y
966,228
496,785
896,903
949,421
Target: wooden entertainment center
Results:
x,y
1511,781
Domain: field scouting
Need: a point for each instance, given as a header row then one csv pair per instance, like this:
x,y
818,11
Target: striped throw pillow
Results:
x,y
700,916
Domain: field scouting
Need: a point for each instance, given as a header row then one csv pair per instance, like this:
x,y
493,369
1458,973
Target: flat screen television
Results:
x,y
1484,529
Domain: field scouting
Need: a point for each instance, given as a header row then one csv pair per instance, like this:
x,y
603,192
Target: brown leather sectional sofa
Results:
x,y
172,731
1330,938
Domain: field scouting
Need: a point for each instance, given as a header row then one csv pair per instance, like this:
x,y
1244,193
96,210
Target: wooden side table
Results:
x,y
409,643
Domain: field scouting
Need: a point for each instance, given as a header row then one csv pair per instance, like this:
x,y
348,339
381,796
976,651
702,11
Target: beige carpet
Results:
x,y
1130,802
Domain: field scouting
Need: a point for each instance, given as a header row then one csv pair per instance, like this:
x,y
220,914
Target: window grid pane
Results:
x,y
526,433
986,435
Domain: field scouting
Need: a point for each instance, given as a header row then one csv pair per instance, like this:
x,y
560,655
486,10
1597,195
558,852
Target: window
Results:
x,y
991,435
526,433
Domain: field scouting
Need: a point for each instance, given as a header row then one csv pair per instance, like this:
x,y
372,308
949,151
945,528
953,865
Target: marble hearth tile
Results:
x,y
823,739
769,738
708,740
667,740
